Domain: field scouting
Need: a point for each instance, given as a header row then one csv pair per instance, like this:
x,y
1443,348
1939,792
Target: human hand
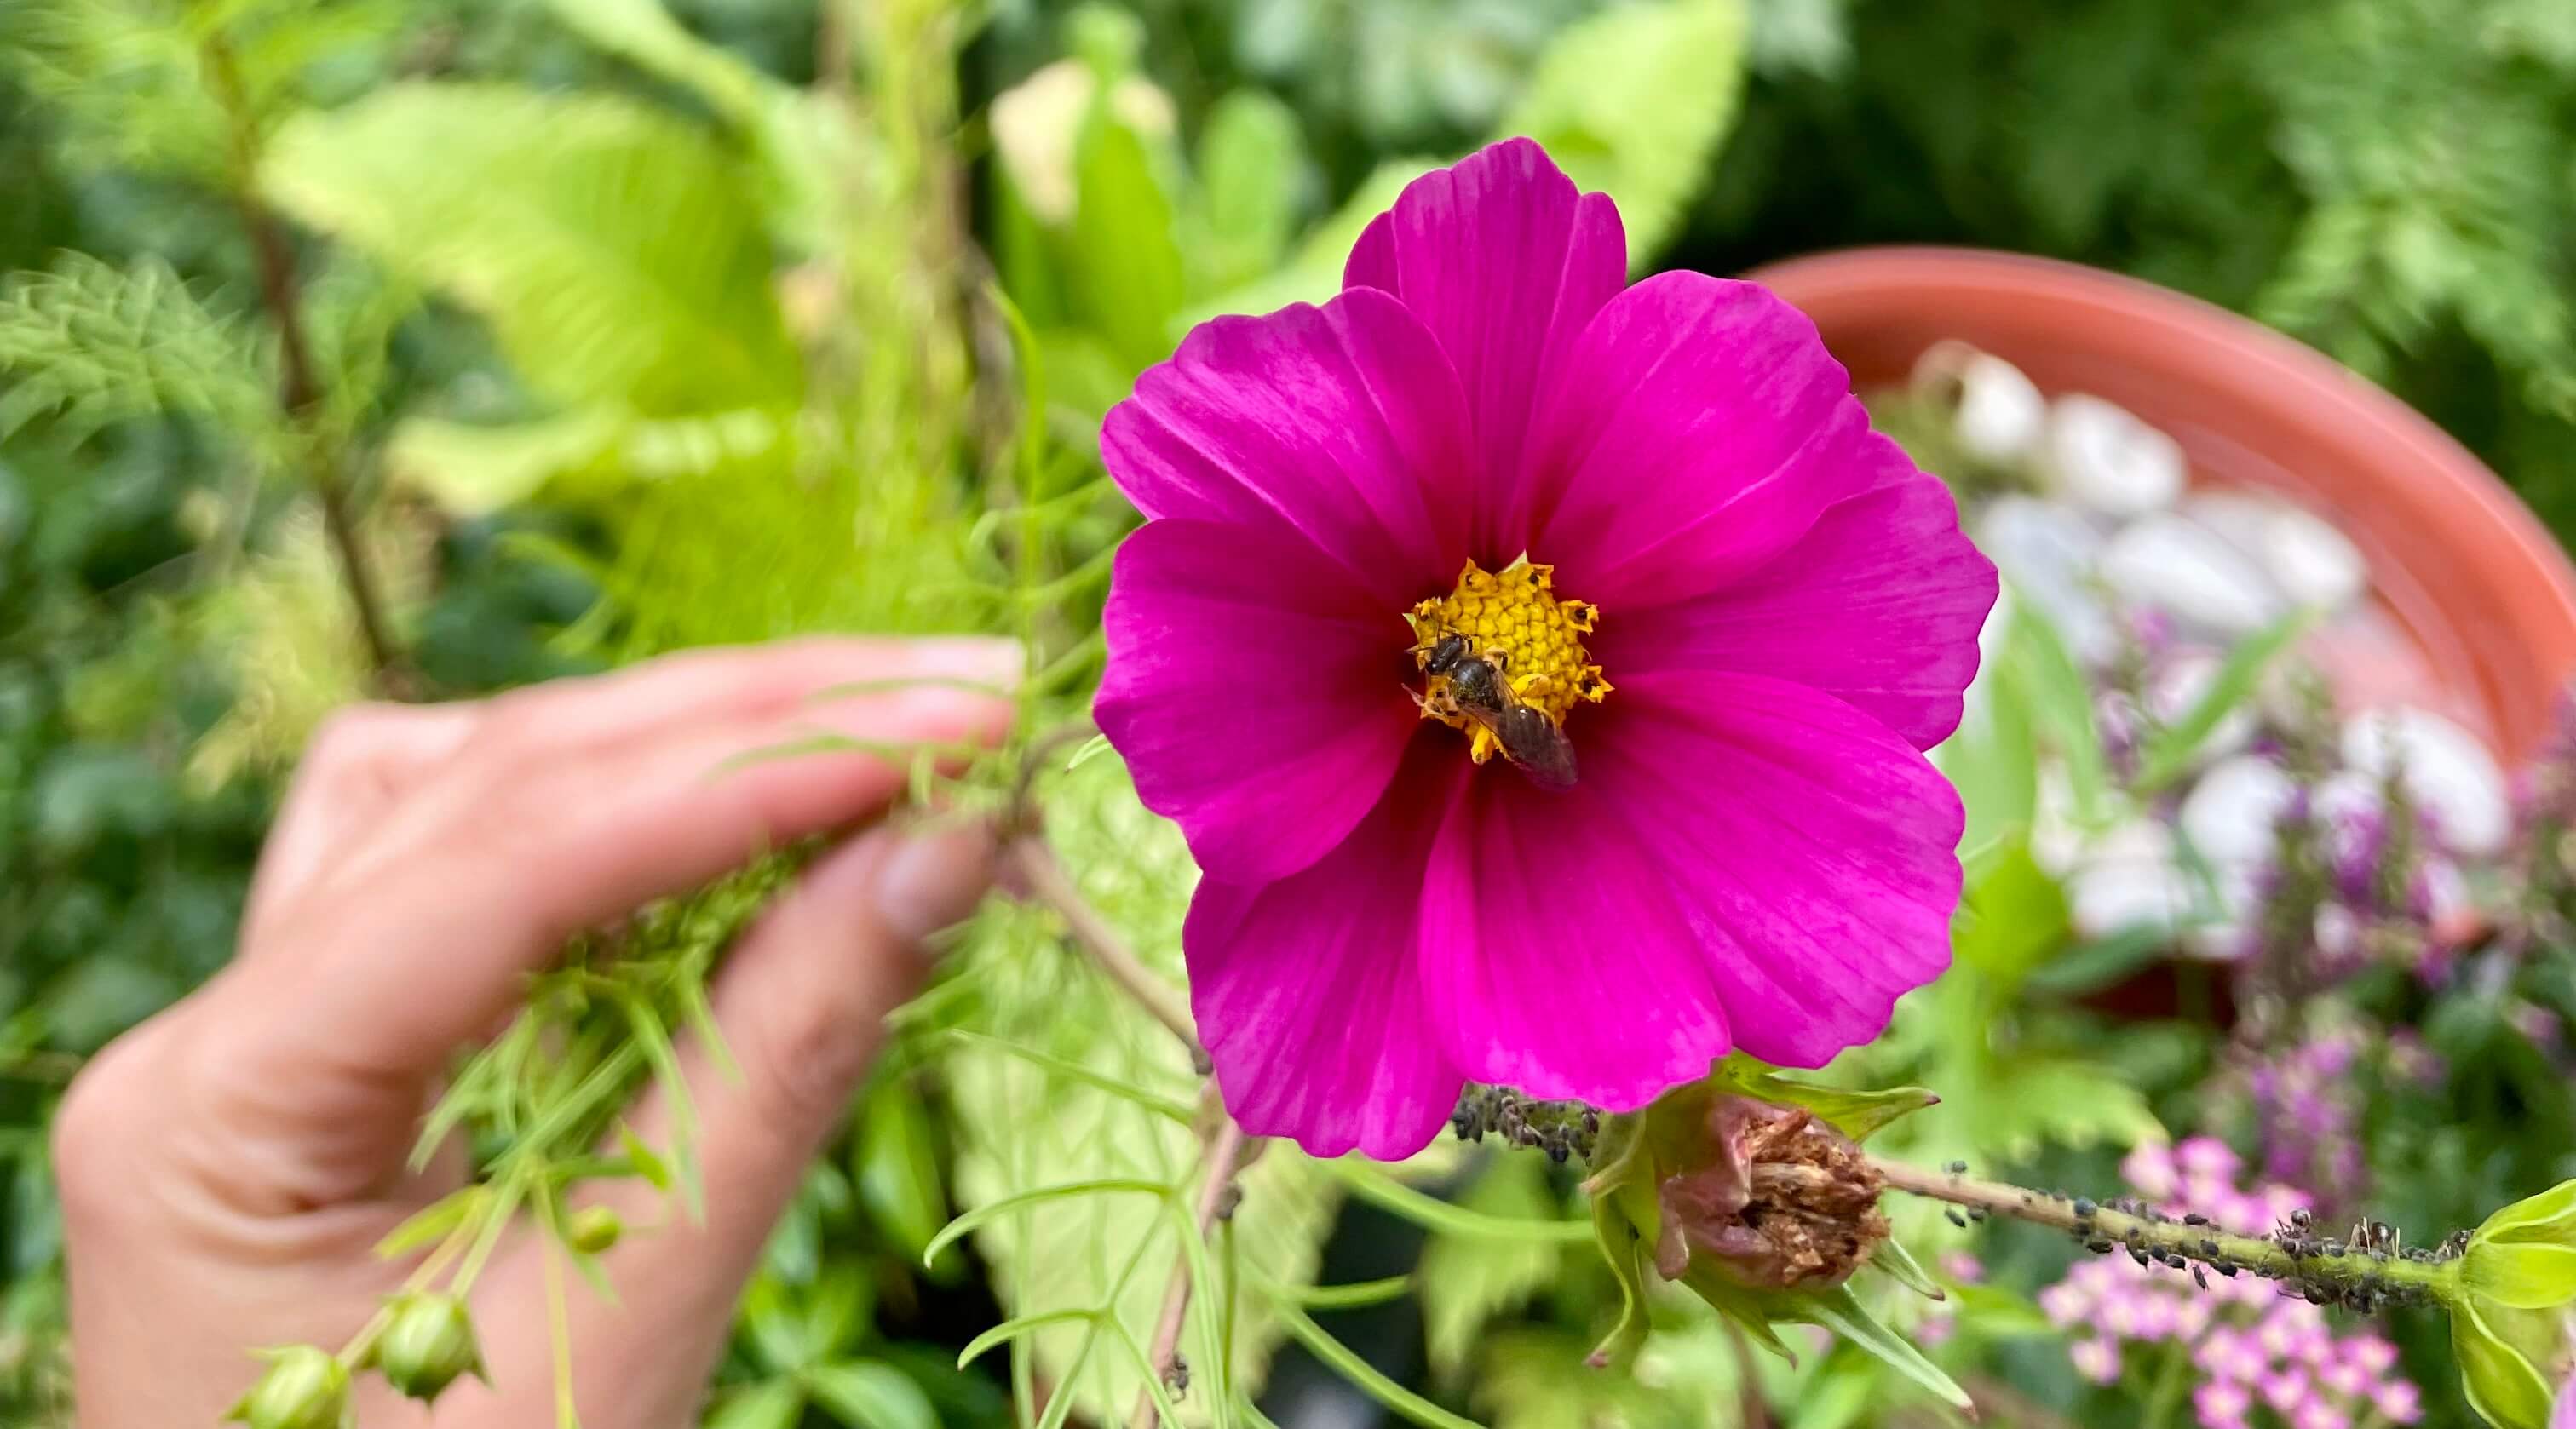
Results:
x,y
227,1168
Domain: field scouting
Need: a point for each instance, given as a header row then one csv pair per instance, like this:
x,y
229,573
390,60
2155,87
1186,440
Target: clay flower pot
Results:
x,y
2463,570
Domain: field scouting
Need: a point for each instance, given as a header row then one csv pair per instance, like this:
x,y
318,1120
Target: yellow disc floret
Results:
x,y
1514,618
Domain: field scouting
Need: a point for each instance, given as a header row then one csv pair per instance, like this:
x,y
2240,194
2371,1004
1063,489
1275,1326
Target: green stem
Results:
x,y
2346,1275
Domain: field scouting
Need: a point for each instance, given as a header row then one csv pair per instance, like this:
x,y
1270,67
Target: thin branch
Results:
x,y
1227,1151
1045,880
299,390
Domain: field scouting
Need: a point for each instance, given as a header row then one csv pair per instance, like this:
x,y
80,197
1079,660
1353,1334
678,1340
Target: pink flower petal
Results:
x,y
1697,431
1878,605
1257,697
1307,992
1553,957
1343,422
1809,848
1505,262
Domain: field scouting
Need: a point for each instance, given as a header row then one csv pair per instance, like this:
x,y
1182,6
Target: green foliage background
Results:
x,y
639,327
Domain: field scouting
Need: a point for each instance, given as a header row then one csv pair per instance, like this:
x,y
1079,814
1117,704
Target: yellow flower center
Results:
x,y
1513,619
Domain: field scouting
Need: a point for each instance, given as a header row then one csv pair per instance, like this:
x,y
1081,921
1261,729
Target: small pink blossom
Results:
x,y
2096,1359
2221,1404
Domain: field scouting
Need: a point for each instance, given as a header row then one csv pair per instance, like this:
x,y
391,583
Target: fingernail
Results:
x,y
985,659
932,879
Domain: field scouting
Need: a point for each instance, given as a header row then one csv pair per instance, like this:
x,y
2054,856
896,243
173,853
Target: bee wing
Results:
x,y
1536,747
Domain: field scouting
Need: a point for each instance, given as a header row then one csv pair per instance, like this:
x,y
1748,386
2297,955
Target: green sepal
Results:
x,y
2497,1371
1855,1114
2520,1275
1840,1311
1753,1311
1897,1263
2548,1218
1626,1254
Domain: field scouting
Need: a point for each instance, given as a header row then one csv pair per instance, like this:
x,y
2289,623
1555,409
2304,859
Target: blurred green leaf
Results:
x,y
1467,1281
617,253
2016,917
775,1405
867,1394
1125,259
1633,102
896,1166
2173,748
1251,163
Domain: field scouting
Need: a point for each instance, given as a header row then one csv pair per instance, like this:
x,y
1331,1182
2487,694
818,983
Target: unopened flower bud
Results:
x,y
428,1345
2517,1281
593,1229
304,1388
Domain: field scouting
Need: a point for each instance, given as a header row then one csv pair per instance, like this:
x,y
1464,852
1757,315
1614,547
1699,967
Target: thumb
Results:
x,y
802,1002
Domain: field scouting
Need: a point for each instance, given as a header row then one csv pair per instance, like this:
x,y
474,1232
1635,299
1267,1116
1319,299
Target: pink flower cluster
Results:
x,y
2254,1349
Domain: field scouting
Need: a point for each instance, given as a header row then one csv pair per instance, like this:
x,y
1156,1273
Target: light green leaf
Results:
x,y
617,253
2059,702
1633,102
896,1166
1315,274
2042,1100
1858,1114
869,1394
1466,1281
1250,164
2016,917
648,1162
774,1405
644,33
2172,749
1125,260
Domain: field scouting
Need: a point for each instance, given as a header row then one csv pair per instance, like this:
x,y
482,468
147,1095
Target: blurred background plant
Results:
x,y
362,346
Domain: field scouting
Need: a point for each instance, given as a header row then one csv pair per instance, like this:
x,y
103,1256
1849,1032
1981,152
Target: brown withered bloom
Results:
x,y
1784,1200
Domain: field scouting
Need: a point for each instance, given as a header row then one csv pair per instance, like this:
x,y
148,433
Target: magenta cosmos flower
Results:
x,y
1658,514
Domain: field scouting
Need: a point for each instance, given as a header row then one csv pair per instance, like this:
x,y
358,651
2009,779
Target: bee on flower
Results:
x,y
1639,542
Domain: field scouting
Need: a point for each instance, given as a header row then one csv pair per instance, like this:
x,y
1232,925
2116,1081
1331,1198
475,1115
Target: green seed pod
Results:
x,y
304,1388
428,1345
593,1229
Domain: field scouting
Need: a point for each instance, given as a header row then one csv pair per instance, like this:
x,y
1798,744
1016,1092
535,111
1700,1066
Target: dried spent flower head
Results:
x,y
1785,1200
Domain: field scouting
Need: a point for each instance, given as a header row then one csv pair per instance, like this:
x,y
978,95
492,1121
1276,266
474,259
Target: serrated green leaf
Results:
x,y
615,251
2044,1100
870,1394
1466,1281
1633,101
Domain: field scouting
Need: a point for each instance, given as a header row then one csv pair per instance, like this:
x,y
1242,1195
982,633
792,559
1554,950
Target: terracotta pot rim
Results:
x,y
2469,525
